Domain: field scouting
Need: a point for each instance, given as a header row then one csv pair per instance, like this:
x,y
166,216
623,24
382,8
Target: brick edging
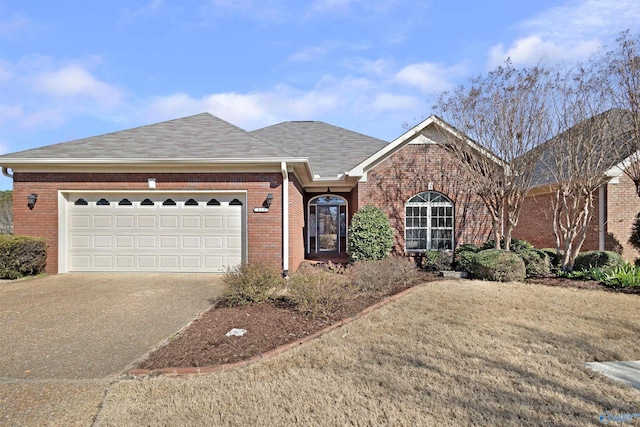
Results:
x,y
178,372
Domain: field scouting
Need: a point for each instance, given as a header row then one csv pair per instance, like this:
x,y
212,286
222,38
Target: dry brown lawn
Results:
x,y
450,353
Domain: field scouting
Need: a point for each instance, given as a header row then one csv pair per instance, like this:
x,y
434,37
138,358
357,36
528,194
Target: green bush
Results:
x,y
250,284
370,235
516,245
435,260
464,261
498,265
536,262
22,256
317,292
468,247
587,260
381,277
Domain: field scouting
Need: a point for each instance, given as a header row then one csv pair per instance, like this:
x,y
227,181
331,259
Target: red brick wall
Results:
x,y
296,223
535,224
408,172
264,230
622,207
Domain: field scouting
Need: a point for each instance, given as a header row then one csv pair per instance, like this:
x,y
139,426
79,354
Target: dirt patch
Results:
x,y
271,325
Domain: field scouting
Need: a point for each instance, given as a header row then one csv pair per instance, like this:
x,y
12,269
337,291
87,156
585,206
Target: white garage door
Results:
x,y
155,232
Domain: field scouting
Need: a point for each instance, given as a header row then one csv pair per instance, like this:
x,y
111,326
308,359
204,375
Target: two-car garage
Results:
x,y
157,231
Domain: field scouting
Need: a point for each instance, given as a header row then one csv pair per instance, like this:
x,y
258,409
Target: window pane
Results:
x,y
449,222
423,222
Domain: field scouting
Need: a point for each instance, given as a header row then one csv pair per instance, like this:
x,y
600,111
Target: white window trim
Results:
x,y
428,228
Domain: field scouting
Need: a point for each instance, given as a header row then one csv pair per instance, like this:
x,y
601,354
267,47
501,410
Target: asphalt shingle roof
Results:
x,y
201,136
331,150
623,147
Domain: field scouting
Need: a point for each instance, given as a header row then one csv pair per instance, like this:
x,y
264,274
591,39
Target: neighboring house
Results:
x,y
198,194
615,203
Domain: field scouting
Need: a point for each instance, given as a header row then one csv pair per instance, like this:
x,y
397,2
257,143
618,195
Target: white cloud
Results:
x,y
429,77
75,81
310,54
531,50
572,31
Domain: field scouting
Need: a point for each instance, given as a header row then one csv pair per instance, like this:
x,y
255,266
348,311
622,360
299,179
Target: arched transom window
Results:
x,y
429,219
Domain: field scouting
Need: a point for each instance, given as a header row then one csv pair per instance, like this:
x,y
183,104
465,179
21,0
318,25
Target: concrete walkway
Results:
x,y
64,339
627,372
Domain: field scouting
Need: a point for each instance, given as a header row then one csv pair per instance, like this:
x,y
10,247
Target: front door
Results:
x,y
327,225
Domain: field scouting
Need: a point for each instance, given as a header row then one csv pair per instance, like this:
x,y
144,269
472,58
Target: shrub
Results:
x,y
516,245
250,284
634,239
435,260
536,262
370,235
498,265
380,277
316,292
464,262
22,256
587,260
468,247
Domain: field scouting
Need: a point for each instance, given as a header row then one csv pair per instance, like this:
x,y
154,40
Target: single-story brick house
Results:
x,y
198,194
615,203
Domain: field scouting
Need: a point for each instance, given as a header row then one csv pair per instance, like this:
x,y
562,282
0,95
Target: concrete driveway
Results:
x,y
64,339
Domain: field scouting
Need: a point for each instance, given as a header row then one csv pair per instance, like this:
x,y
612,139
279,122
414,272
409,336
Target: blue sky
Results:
x,y
75,68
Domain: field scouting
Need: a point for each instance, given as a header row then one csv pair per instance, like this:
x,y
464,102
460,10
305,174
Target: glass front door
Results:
x,y
327,225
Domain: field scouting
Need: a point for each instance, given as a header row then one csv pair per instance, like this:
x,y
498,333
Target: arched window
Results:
x,y
429,220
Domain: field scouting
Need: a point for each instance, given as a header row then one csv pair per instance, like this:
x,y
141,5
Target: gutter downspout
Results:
x,y
285,219
601,221
5,172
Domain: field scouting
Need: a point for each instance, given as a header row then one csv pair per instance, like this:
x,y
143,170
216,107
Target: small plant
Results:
x,y
380,277
498,265
370,235
590,259
250,284
317,292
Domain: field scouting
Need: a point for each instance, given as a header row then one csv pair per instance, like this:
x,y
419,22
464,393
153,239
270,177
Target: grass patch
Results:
x,y
450,353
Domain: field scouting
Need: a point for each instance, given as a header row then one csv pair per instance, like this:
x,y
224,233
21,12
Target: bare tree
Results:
x,y
574,161
624,84
505,113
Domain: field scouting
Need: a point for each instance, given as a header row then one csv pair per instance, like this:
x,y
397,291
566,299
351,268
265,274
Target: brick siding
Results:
x,y
410,171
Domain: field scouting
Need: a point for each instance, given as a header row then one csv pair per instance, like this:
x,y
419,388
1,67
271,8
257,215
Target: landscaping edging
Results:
x,y
136,373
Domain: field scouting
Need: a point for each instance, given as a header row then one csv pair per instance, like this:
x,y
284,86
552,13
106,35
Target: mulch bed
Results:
x,y
271,325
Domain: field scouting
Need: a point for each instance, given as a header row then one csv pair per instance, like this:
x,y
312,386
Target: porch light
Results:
x,y
31,200
268,201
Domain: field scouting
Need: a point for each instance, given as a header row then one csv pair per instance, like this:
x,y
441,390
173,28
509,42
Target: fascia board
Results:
x,y
617,170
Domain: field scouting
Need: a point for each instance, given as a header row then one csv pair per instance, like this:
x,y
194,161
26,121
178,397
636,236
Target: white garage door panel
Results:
x,y
136,237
